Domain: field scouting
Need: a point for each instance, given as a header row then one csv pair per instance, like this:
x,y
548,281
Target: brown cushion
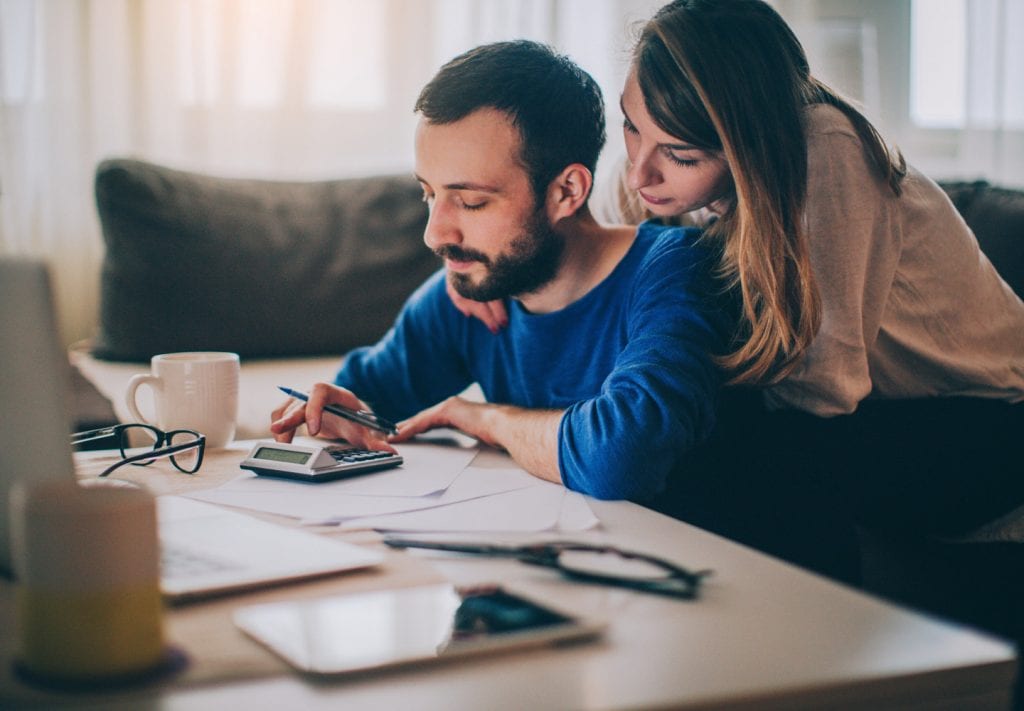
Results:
x,y
261,268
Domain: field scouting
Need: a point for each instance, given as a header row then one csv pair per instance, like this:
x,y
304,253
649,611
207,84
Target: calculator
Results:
x,y
311,462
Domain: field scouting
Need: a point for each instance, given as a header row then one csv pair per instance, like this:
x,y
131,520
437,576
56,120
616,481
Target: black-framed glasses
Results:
x,y
141,444
606,565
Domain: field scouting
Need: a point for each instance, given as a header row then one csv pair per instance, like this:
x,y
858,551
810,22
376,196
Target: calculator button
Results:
x,y
351,455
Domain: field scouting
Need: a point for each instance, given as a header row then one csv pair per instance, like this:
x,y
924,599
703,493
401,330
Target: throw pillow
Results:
x,y
261,268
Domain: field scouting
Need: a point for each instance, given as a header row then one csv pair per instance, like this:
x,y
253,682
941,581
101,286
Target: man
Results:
x,y
604,375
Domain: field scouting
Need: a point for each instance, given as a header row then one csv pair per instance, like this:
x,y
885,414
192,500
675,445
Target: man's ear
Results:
x,y
568,192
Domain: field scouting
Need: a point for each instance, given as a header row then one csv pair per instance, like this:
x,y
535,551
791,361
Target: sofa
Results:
x,y
291,275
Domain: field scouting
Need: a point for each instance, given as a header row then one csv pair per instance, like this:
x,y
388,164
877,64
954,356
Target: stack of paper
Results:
x,y
436,490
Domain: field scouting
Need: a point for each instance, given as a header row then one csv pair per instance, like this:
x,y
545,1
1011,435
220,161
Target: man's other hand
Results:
x,y
455,412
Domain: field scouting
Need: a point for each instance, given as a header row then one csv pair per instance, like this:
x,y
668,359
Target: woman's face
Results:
x,y
671,176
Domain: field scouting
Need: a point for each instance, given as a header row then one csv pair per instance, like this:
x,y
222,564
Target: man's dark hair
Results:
x,y
555,105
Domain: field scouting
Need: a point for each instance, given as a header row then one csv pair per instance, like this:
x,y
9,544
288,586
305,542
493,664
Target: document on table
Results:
x,y
324,503
472,483
540,507
433,478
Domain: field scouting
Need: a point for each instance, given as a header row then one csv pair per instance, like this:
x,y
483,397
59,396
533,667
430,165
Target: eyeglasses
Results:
x,y
605,565
141,444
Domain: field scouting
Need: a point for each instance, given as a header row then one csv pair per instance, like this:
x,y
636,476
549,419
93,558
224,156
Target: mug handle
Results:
x,y
152,381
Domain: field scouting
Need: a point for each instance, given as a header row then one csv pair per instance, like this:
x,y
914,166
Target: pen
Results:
x,y
362,417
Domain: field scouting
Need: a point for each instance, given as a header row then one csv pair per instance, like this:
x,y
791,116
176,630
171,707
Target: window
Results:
x,y
965,70
938,59
21,80
942,79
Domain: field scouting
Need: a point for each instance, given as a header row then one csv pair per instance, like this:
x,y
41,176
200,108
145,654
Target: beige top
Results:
x,y
911,307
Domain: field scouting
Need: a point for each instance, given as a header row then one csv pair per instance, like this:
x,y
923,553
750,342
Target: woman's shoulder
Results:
x,y
822,119
830,131
839,164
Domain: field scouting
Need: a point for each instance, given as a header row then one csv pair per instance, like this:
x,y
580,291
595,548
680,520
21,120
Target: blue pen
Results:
x,y
362,417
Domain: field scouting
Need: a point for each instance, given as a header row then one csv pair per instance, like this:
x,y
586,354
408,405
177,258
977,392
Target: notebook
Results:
x,y
208,550
205,549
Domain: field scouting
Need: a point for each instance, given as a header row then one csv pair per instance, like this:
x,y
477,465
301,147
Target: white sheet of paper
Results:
x,y
437,498
319,504
576,514
440,464
313,508
472,483
535,508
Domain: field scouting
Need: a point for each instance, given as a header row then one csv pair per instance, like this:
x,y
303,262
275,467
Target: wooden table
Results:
x,y
763,635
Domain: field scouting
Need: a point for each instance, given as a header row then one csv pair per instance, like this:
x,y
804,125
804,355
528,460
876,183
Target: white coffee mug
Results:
x,y
195,391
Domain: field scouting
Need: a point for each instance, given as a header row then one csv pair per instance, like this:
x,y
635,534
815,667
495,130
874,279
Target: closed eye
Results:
x,y
471,206
684,162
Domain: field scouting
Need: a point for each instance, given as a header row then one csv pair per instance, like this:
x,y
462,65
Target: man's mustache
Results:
x,y
459,254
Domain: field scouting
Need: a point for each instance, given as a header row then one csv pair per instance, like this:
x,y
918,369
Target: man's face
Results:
x,y
484,219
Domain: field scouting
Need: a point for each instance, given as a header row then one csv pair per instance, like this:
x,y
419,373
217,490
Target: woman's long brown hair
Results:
x,y
730,76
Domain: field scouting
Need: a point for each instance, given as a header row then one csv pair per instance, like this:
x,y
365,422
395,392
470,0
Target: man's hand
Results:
x,y
491,313
529,436
293,413
455,412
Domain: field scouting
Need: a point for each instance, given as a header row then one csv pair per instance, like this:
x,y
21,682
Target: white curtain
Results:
x,y
991,137
294,89
306,89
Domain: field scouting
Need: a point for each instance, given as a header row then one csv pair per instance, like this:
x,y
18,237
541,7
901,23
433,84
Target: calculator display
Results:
x,y
282,455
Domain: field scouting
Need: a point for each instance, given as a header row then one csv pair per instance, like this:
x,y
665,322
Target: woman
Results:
x,y
887,351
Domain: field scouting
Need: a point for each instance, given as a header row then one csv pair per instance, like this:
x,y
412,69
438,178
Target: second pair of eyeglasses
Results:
x,y
140,445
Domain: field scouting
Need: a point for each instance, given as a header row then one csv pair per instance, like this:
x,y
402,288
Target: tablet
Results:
x,y
360,632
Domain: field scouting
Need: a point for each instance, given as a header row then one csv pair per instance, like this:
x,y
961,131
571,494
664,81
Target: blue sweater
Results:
x,y
630,363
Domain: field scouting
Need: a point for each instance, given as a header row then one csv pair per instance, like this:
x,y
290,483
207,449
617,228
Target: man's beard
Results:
x,y
531,261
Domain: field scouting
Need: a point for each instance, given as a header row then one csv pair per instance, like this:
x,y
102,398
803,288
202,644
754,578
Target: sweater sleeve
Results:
x,y
417,363
855,237
658,401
